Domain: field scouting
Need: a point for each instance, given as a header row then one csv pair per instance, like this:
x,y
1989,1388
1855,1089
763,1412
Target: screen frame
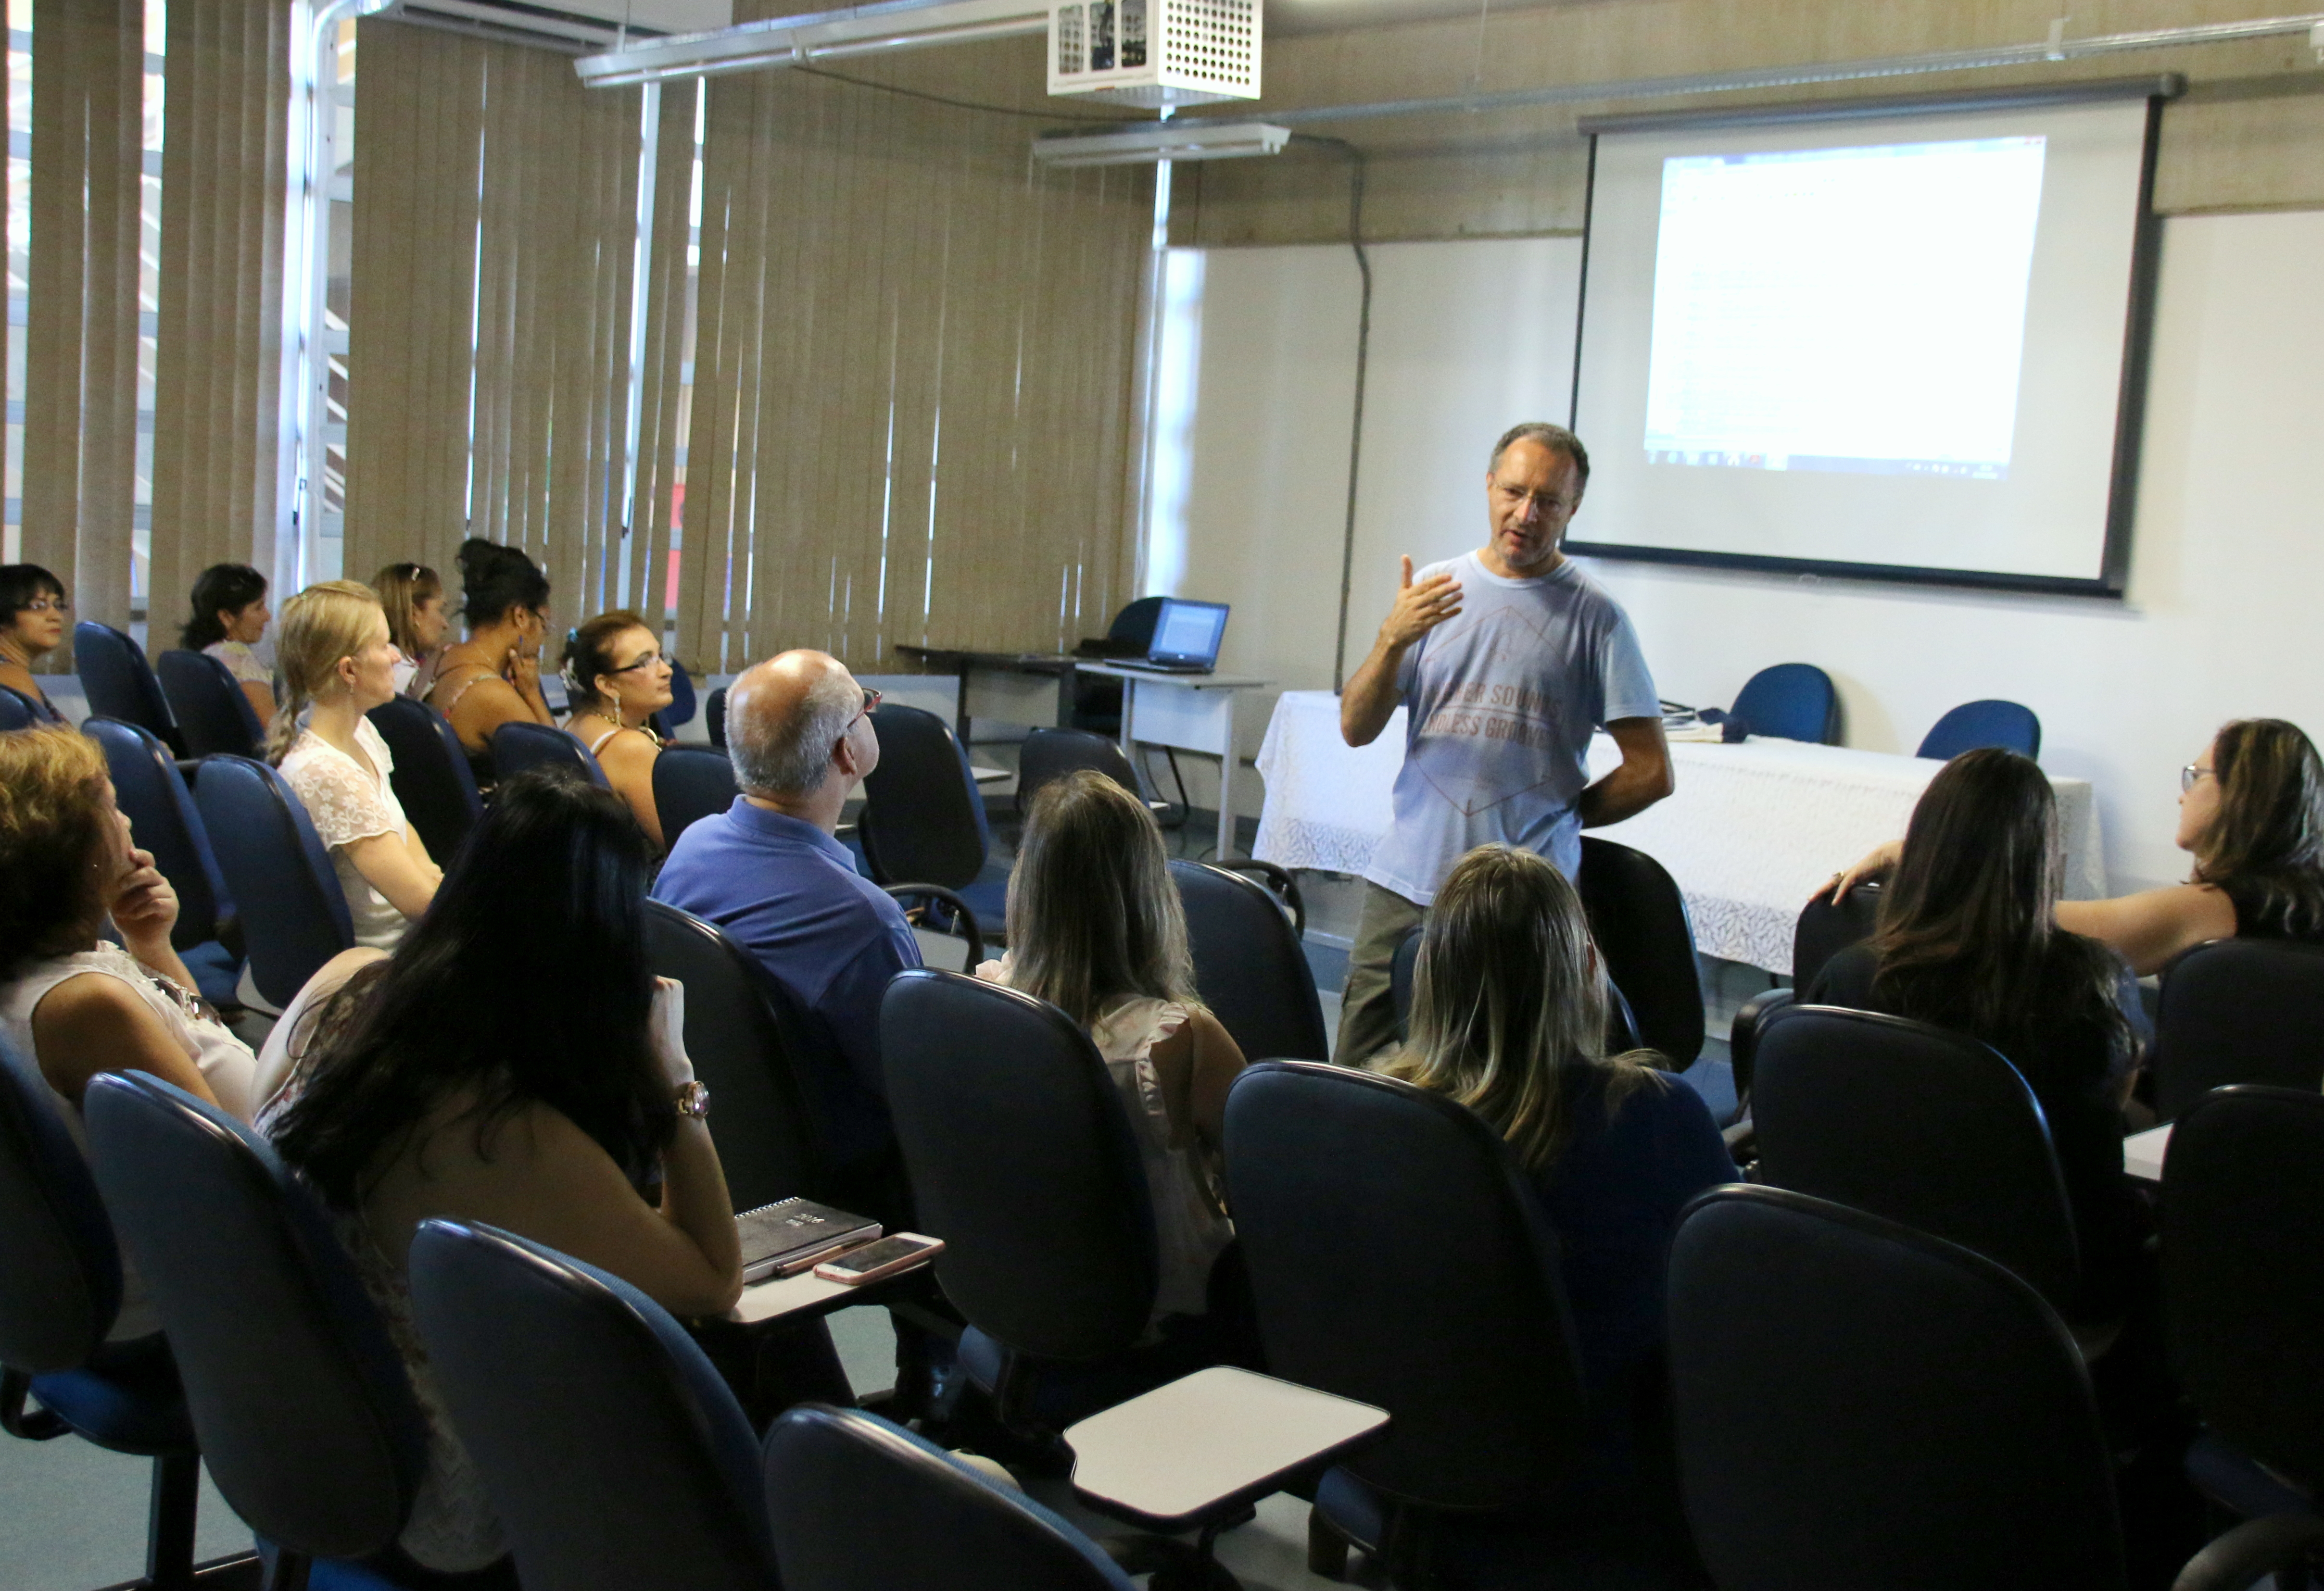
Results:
x,y
2112,580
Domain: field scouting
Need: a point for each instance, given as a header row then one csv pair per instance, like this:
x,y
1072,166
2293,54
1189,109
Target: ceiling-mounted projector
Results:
x,y
1154,53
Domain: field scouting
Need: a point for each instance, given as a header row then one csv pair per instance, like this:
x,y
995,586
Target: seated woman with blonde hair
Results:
x,y
1508,1018
616,678
412,597
73,1003
338,664
1096,929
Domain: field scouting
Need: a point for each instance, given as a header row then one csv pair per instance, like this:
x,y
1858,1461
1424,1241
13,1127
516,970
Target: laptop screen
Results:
x,y
1188,632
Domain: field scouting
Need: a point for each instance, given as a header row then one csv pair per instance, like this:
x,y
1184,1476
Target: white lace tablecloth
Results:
x,y
1750,832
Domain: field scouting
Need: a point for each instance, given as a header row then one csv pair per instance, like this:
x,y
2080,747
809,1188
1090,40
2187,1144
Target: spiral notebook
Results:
x,y
788,1236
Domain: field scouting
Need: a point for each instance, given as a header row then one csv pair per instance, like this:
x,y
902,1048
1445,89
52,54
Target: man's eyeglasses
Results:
x,y
871,700
2190,774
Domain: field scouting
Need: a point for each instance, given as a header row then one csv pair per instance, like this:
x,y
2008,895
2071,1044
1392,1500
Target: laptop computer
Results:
x,y
1187,637
784,1238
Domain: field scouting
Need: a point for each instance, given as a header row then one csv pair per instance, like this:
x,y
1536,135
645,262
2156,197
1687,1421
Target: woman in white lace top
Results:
x,y
1095,928
337,665
71,1003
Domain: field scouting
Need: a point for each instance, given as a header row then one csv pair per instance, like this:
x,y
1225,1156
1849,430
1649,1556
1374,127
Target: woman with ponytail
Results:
x,y
493,676
338,664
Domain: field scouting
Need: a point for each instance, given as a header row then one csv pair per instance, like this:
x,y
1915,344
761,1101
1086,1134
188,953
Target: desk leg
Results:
x,y
960,711
1066,698
1226,792
1129,702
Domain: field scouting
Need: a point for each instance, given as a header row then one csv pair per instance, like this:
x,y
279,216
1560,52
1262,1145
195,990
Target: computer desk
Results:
x,y
1037,685
1186,713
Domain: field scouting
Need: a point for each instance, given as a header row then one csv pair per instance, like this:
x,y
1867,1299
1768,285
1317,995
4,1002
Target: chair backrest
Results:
x,y
1639,920
520,747
15,710
861,1505
304,1413
681,696
212,713
1050,754
1792,701
293,914
1485,1395
1249,965
434,782
1134,625
1861,1404
1021,1159
745,1035
1917,1124
2238,1011
1826,928
2010,725
59,1272
2243,1271
690,783
119,683
923,821
715,717
162,816
612,1450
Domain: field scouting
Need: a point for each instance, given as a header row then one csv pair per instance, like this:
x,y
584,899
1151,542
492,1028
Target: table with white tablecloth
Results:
x,y
1749,833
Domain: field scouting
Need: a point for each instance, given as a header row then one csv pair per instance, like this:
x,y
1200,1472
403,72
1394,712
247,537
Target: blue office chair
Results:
x,y
306,1416
434,782
164,820
613,1453
945,1527
212,713
2238,1011
690,783
680,710
1097,701
714,709
923,819
1792,701
293,912
1973,724
17,711
1639,920
60,1288
520,748
119,683
1250,965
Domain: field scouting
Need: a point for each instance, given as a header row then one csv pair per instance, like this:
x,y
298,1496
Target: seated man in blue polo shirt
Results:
x,y
770,873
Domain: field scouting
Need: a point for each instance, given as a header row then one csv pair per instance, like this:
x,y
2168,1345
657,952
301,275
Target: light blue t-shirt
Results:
x,y
1500,702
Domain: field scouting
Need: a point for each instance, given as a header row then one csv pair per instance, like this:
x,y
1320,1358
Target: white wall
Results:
x,y
2227,564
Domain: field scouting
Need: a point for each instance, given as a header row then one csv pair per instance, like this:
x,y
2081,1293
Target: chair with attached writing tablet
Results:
x,y
305,1413
1860,1403
691,783
152,794
212,711
119,683
1434,1294
923,819
293,912
1825,929
17,711
2238,1011
1639,921
521,746
613,1453
434,782
1249,965
1050,754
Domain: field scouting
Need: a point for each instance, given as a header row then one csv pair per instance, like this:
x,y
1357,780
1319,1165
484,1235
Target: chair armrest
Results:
x,y
1280,881
2254,1548
1742,1141
969,929
1743,1039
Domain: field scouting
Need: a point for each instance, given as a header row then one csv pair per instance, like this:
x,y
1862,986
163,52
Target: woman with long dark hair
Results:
x,y
517,1063
1971,938
2251,810
493,676
229,619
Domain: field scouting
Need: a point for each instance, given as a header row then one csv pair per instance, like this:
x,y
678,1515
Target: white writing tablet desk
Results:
x,y
1186,712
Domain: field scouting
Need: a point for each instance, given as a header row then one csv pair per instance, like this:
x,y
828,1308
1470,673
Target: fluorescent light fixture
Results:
x,y
822,35
1146,143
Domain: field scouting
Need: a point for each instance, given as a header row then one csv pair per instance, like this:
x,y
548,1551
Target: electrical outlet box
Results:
x,y
1156,52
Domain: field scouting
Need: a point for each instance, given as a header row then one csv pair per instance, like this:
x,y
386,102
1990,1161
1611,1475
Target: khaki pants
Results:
x,y
1366,1011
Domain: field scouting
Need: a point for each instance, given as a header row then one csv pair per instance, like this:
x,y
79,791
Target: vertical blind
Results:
x,y
218,325
910,351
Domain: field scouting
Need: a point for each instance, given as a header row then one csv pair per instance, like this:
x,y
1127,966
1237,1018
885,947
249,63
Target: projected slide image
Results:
x,y
1859,310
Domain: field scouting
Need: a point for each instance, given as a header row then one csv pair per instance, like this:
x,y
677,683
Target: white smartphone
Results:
x,y
882,1258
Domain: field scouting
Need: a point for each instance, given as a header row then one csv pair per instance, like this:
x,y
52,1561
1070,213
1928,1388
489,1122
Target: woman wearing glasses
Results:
x,y
617,678
33,609
2251,810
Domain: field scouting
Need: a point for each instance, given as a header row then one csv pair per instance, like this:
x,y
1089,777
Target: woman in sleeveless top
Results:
x,y
1096,929
72,1003
33,609
229,619
493,676
2251,809
337,665
412,597
461,1082
616,678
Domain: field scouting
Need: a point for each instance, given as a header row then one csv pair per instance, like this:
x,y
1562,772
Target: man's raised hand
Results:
x,y
1419,608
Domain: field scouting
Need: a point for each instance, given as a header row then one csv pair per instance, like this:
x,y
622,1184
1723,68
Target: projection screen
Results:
x,y
1903,340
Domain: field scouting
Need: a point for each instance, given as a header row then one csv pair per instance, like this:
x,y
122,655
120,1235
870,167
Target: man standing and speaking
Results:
x,y
1508,658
